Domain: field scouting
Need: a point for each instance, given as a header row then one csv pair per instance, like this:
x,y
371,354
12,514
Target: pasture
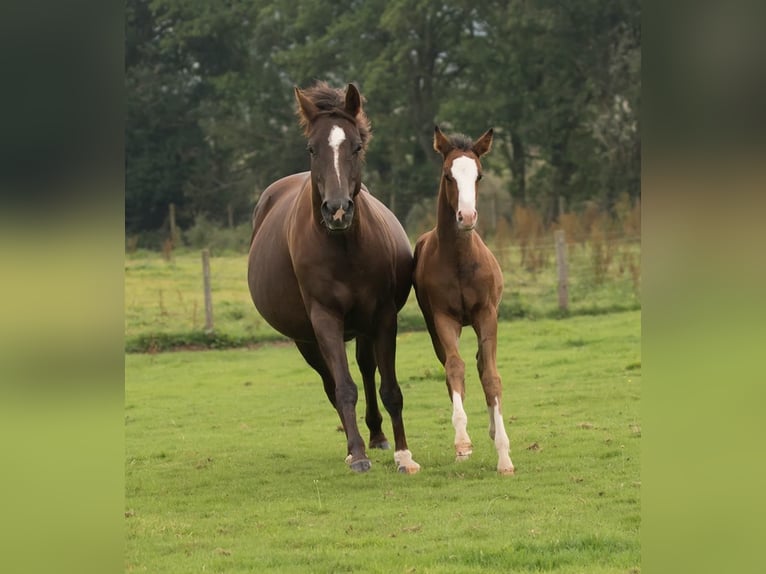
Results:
x,y
164,305
234,462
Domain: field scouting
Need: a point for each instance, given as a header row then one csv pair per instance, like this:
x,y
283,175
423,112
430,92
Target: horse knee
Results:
x,y
493,389
392,397
346,394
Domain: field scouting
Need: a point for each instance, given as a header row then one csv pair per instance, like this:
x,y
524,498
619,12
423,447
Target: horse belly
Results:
x,y
274,290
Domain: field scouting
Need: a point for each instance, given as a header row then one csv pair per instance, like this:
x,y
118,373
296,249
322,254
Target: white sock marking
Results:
x,y
337,137
459,421
502,444
403,458
465,171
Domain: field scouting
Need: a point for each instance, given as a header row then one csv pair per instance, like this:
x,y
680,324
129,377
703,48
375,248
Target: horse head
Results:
x,y
337,131
461,172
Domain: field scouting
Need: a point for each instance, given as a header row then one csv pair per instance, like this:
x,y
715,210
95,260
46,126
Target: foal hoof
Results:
x,y
510,471
361,465
463,452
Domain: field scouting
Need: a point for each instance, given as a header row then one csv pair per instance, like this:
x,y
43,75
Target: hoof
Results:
x,y
381,444
361,465
463,451
412,468
404,462
506,471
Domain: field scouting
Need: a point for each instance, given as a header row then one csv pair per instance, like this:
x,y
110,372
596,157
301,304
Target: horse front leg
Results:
x,y
485,325
328,329
390,392
447,332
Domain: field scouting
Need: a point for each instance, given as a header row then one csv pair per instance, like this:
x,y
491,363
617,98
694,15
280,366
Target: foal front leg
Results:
x,y
485,326
447,331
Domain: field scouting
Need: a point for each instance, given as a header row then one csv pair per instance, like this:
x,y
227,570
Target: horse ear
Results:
x,y
441,142
353,101
306,108
484,143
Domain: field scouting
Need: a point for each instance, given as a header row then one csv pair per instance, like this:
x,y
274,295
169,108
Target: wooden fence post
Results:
x,y
173,228
563,270
208,293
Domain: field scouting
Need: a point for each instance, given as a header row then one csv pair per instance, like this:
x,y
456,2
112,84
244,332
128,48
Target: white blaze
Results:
x,y
465,171
337,137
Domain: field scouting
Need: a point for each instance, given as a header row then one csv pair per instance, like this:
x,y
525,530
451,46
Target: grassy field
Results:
x,y
234,462
164,304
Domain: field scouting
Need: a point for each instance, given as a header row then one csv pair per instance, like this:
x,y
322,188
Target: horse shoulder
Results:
x,y
273,194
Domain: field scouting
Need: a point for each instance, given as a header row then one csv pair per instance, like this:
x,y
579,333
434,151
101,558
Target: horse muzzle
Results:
x,y
466,219
338,214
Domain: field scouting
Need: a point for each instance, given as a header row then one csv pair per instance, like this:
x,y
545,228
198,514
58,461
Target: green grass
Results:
x,y
164,304
234,462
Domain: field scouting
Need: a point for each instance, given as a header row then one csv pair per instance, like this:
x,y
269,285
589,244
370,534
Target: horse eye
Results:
x,y
478,178
357,148
311,149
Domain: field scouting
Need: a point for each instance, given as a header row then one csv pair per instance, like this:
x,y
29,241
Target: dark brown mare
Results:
x,y
329,262
458,282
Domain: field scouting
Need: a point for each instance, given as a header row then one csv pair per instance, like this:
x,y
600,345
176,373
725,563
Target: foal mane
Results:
x,y
461,142
332,102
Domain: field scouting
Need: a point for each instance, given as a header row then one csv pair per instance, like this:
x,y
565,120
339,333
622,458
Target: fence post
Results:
x,y
173,228
563,270
208,293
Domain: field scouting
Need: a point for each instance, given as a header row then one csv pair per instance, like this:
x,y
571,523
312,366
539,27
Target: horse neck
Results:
x,y
446,227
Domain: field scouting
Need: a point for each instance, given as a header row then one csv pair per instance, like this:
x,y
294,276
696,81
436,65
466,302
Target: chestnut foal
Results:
x,y
458,282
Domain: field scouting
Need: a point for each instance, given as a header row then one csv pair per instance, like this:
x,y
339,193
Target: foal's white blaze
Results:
x,y
502,444
337,137
464,172
460,422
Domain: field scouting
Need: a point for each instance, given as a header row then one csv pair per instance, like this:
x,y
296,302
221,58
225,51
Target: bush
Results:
x,y
206,235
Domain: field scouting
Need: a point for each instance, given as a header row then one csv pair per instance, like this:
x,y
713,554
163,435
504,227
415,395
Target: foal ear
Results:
x,y
353,101
307,111
484,143
441,142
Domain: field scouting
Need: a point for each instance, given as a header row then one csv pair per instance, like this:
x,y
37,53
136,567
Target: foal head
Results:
x,y
337,131
461,172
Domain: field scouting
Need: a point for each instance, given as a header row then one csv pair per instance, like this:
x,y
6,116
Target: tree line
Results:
x,y
210,105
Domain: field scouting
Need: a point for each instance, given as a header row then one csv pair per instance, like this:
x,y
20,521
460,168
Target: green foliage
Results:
x,y
233,462
210,102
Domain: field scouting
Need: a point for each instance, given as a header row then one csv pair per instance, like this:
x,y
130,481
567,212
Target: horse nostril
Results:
x,y
460,216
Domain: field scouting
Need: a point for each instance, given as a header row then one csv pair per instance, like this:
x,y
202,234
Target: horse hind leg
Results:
x,y
365,358
390,392
486,331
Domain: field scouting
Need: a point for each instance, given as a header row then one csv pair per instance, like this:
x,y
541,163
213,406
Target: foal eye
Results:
x,y
357,148
478,177
311,150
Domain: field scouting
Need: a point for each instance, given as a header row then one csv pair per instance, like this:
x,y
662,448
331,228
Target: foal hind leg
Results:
x,y
485,326
447,332
365,358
